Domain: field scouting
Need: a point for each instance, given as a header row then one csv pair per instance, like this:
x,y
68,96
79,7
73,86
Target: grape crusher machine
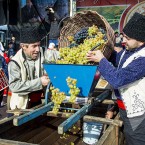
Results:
x,y
58,74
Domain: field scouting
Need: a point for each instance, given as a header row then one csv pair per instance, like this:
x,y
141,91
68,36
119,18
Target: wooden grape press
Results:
x,y
85,78
58,74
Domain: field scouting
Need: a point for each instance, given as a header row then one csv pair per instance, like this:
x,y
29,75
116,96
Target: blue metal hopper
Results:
x,y
84,74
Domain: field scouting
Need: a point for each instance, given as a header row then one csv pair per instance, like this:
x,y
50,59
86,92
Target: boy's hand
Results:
x,y
45,80
109,114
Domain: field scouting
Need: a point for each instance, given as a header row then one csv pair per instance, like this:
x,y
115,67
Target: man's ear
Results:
x,y
23,46
141,43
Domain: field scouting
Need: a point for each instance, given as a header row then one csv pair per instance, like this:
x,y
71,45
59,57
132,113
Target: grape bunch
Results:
x,y
73,45
57,98
81,35
70,38
77,54
74,90
92,31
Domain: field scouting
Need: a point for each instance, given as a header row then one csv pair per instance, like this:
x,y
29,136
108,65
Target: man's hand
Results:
x,y
109,114
95,56
45,80
51,10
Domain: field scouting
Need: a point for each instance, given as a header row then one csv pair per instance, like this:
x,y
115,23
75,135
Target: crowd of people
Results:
x,y
27,78
5,56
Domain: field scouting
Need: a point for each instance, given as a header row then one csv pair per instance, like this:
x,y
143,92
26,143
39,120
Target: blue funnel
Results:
x,y
84,74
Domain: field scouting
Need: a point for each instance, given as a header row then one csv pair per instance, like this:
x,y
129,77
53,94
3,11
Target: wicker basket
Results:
x,y
87,19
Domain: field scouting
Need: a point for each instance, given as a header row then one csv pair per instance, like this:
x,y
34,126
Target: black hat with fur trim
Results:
x,y
135,28
30,35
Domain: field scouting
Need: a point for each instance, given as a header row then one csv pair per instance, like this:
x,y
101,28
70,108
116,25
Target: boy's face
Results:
x,y
10,45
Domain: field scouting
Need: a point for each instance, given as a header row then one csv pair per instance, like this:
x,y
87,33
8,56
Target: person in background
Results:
x,y
5,60
29,14
54,32
15,46
52,55
117,39
11,51
117,48
121,36
128,79
1,47
4,67
26,74
118,42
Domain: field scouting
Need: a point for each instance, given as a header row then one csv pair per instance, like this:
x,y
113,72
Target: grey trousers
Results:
x,y
134,129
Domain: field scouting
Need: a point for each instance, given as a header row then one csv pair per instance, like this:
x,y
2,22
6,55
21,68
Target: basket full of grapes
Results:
x,y
84,31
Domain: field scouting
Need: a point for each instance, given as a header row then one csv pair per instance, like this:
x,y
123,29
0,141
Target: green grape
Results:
x,y
77,54
93,30
57,98
74,91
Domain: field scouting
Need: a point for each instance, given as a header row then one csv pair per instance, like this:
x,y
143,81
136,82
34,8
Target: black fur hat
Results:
x,y
135,28
30,35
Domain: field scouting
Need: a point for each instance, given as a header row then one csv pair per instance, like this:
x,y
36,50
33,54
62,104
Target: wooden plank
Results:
x,y
31,115
7,119
33,129
60,114
73,119
116,122
49,129
5,126
6,123
51,139
107,101
13,132
81,142
30,133
10,142
71,136
102,96
110,137
54,139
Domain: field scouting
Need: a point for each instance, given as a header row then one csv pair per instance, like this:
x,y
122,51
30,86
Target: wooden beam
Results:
x,y
31,115
116,122
73,119
109,137
6,119
106,101
102,96
60,114
10,142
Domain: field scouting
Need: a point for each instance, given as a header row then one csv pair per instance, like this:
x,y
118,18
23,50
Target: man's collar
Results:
x,y
136,49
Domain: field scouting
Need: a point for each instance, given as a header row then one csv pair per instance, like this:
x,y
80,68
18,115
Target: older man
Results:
x,y
26,75
128,79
